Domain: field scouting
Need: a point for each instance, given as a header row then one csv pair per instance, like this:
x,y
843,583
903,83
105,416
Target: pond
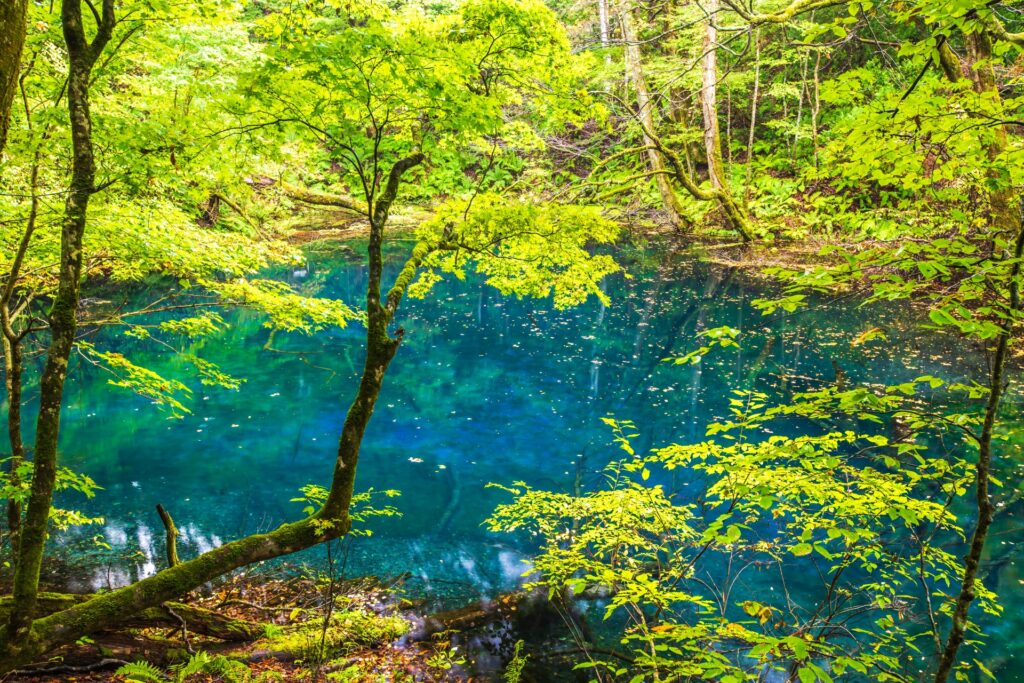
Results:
x,y
484,389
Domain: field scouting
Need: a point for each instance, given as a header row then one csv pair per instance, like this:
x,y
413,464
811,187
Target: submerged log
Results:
x,y
527,610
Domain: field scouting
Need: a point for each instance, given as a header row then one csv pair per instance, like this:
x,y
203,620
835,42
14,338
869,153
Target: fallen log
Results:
x,y
307,196
197,619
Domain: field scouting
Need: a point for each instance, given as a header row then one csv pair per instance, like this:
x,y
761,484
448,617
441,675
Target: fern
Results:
x,y
200,663
514,670
220,666
196,664
141,672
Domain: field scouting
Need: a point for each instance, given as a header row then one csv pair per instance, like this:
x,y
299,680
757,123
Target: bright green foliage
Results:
x,y
286,310
722,337
522,248
371,85
870,515
362,510
67,480
141,672
514,669
140,380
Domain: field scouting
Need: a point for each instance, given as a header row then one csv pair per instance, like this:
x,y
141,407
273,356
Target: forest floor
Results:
x,y
355,631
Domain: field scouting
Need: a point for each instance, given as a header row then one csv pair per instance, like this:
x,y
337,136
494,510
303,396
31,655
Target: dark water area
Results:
x,y
484,389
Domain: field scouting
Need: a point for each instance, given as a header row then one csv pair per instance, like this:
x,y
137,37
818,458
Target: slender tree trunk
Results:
x,y
1002,212
13,371
800,104
816,105
63,313
728,131
1002,218
709,98
986,510
380,347
14,360
645,113
735,215
602,17
753,113
13,15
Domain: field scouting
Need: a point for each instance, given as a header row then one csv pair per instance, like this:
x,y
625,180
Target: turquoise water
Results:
x,y
484,389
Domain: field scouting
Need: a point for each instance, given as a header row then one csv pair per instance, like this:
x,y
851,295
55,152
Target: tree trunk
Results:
x,y
635,74
602,17
709,98
1002,213
13,15
82,56
380,347
753,114
986,510
13,369
14,355
1002,218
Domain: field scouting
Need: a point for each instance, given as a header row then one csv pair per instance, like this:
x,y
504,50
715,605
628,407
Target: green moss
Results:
x,y
357,673
348,632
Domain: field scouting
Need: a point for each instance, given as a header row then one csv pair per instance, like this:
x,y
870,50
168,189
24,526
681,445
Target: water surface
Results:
x,y
484,389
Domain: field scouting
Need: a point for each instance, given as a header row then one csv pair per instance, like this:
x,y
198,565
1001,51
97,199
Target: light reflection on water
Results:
x,y
484,389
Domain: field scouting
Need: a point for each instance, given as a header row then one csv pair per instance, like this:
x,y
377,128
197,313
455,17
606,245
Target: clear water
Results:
x,y
484,389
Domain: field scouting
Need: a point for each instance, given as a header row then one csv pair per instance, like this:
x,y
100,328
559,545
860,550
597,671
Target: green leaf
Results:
x,y
801,549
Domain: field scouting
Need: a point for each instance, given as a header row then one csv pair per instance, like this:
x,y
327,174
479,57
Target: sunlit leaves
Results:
x,y
847,505
146,383
61,519
285,309
362,509
522,248
722,337
194,326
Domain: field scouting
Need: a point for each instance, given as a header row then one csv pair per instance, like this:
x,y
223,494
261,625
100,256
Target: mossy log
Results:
x,y
197,620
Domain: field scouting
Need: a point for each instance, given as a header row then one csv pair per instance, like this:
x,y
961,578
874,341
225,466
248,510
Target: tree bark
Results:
x,y
14,355
602,17
170,536
81,56
13,17
753,114
983,76
735,215
13,370
709,98
307,196
645,113
380,346
1001,219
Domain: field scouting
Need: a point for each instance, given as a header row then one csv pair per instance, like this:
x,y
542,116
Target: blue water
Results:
x,y
484,389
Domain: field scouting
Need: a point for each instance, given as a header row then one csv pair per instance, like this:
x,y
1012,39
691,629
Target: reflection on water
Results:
x,y
484,389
